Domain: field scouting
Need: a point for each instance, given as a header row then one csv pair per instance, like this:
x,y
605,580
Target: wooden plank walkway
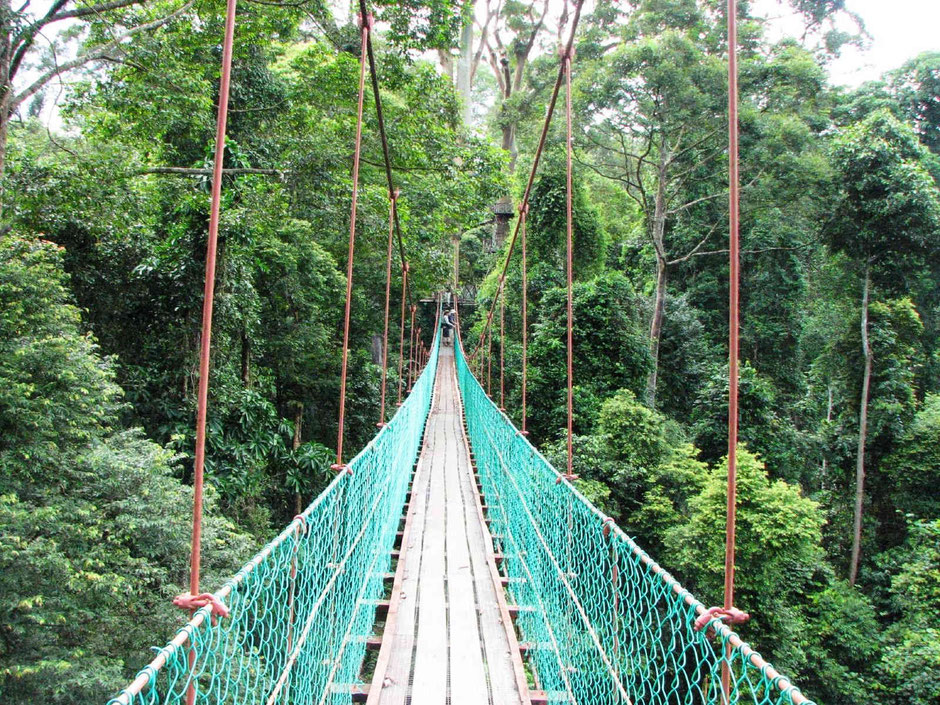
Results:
x,y
448,635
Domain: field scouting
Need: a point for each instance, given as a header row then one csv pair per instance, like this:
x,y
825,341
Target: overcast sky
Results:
x,y
899,29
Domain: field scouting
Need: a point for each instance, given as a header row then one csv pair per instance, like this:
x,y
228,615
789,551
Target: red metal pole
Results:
x,y
401,338
570,259
734,255
202,398
502,349
366,23
205,343
411,347
523,214
392,198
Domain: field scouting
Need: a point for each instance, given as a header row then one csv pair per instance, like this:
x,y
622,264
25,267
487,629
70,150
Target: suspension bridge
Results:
x,y
448,561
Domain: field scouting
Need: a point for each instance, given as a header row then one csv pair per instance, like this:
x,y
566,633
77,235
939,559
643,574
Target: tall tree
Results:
x,y
886,220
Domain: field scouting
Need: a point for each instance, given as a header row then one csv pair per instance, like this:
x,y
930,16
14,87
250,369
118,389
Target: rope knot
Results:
x,y
188,601
339,467
732,615
393,196
566,52
303,522
608,523
570,477
366,22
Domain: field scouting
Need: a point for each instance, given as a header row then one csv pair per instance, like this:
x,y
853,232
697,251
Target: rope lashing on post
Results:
x,y
365,24
188,601
727,615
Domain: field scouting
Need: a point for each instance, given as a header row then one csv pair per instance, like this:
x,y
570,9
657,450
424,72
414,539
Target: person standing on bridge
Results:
x,y
449,324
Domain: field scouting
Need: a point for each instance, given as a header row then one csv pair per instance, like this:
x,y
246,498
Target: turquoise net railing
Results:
x,y
303,607
604,623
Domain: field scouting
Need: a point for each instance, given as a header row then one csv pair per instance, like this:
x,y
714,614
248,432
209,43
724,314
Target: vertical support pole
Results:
x,y
401,338
489,364
411,347
523,214
734,255
392,201
205,343
570,258
502,348
365,24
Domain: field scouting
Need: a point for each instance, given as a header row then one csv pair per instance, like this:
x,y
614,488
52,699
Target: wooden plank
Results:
x,y
429,683
504,660
390,681
468,682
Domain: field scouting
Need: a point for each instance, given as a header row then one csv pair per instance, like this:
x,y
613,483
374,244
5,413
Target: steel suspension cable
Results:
x,y
411,347
502,351
205,343
523,215
401,338
733,317
535,163
202,395
380,118
365,22
569,227
392,198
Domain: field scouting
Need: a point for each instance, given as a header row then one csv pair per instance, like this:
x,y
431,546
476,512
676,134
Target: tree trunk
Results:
x,y
246,359
656,327
377,349
659,306
862,434
463,69
298,427
6,88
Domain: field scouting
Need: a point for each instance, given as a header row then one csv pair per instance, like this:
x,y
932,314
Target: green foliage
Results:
x,y
778,550
913,469
911,659
548,225
888,209
95,527
610,352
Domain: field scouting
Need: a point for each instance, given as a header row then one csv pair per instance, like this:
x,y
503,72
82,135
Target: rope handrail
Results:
x,y
322,573
642,635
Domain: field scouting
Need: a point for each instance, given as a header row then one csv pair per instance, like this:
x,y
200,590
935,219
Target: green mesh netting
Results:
x,y
303,607
604,623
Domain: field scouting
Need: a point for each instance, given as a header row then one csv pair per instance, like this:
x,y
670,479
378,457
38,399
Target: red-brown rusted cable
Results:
x,y
205,343
489,365
401,338
535,163
566,62
202,395
411,347
380,118
523,215
365,22
392,198
502,351
733,250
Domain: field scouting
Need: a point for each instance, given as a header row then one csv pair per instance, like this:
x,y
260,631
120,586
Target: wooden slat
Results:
x,y
429,684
